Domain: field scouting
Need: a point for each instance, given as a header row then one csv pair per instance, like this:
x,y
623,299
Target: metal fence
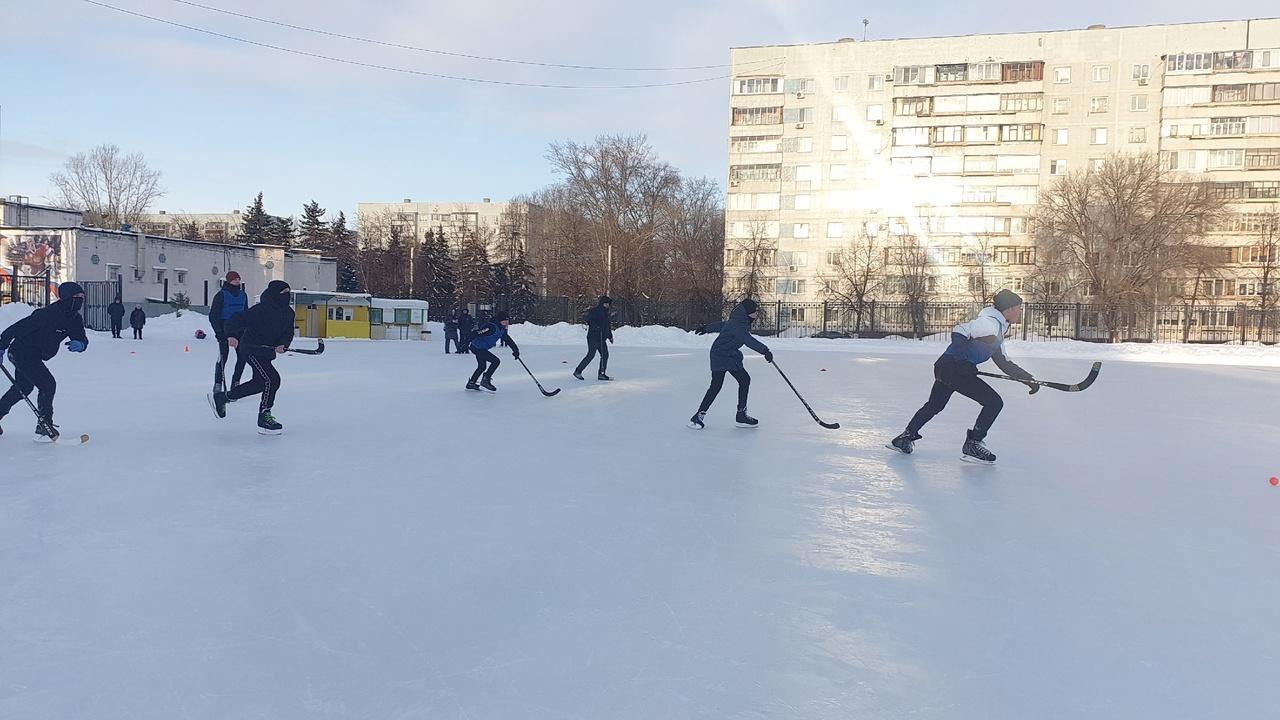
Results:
x,y
34,290
933,320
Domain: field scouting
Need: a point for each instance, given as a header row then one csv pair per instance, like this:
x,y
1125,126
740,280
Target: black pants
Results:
x,y
717,382
595,345
137,333
223,352
953,375
266,380
486,363
117,324
466,342
451,336
30,373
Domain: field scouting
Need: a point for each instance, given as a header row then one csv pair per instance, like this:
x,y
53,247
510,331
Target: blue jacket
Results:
x,y
225,305
489,334
734,333
982,339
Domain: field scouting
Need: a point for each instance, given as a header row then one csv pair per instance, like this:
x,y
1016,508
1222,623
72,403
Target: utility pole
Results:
x,y
865,23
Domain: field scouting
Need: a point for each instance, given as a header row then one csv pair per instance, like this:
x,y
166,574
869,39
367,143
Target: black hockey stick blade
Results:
x,y
1080,386
303,351
543,390
812,414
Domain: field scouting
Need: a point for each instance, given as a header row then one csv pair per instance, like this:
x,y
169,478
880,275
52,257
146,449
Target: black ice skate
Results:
x,y
45,432
487,384
578,374
268,425
697,421
904,443
471,385
743,420
975,452
218,401
602,376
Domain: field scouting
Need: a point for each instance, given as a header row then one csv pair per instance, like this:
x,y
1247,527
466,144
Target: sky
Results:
x,y
224,120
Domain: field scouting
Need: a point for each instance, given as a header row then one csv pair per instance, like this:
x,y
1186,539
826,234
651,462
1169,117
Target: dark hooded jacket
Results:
x,y
116,311
598,325
734,333
40,334
137,318
267,324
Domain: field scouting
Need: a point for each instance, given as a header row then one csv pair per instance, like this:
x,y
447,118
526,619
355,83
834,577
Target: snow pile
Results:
x,y
11,313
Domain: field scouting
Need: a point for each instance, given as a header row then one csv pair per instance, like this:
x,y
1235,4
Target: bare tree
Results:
x,y
695,242
857,276
1264,256
112,188
1121,226
914,275
1199,265
750,260
980,277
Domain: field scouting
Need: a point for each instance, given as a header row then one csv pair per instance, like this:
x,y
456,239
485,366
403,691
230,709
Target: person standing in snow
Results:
x,y
451,332
726,357
262,332
115,311
33,340
466,324
956,371
227,303
137,319
482,345
599,330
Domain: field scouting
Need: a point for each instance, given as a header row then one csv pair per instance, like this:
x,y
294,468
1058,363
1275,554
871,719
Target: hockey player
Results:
x,y
227,302
956,371
482,343
262,332
726,357
599,330
33,340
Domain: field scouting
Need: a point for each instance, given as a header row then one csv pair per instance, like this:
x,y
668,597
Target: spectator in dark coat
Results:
x,y
726,357
115,311
466,326
451,332
137,319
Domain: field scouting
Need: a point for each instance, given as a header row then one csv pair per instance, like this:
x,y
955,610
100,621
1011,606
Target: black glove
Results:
x,y
515,355
768,356
701,331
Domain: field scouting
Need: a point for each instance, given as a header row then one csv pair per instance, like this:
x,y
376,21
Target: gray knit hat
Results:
x,y
1006,299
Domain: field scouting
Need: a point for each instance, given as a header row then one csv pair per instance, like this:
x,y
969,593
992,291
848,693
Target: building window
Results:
x,y
1141,72
1098,136
1137,135
795,85
797,115
958,72
756,144
182,276
839,142
798,145
1057,167
1189,62
911,106
1262,158
804,172
1230,93
790,287
914,75
767,201
982,133
1061,106
1062,75
840,113
1061,136
875,81
948,135
756,86
835,230
1021,102
839,172
1020,133
1226,126
1022,71
833,257
840,84
1138,103
1226,159
875,113
1102,73
984,72
159,276
757,116
912,136
1099,104
113,272
739,173
1095,164
802,202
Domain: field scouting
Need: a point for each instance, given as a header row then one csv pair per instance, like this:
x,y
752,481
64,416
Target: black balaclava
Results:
x,y
276,292
67,292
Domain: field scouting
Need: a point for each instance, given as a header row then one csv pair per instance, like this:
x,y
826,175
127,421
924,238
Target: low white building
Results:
x,y
36,239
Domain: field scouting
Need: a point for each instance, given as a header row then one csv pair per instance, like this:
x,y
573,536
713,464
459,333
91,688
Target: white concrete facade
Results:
x,y
417,218
952,139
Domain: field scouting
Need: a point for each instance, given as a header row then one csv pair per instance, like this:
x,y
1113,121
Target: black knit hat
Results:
x,y
1006,299
606,300
749,305
500,316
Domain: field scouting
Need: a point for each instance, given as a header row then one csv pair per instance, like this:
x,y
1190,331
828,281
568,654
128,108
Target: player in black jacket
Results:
x,y
598,331
33,340
262,332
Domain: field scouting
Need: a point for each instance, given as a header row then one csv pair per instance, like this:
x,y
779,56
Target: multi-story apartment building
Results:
x,y
951,141
214,227
494,219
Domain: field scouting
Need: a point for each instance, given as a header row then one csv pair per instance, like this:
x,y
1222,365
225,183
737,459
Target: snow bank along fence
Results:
x,y
932,320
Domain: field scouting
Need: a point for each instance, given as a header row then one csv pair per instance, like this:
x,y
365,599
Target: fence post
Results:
x,y
46,287
1244,322
777,316
824,317
206,293
166,289
1075,330
13,285
1029,310
871,324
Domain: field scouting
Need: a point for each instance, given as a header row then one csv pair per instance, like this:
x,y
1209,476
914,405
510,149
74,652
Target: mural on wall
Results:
x,y
31,253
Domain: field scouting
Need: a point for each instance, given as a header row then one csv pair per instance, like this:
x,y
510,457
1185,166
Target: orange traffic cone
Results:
x,y
186,348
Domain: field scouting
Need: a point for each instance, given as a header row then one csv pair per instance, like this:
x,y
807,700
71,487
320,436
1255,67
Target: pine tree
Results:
x,y
257,224
281,231
393,263
475,282
313,231
444,283
513,285
343,247
424,267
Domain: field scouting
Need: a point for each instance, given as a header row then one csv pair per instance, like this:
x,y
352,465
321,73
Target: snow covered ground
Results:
x,y
411,550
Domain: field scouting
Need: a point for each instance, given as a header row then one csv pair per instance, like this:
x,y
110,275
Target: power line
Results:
x,y
447,53
392,68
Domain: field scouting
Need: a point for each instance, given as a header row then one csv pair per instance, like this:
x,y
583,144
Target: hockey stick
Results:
x,y
298,351
1035,385
553,393
814,415
48,428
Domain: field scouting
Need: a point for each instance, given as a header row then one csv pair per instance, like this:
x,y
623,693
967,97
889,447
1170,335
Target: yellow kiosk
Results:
x,y
331,314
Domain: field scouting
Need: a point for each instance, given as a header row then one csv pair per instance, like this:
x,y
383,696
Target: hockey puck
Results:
x,y
84,439
1275,480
